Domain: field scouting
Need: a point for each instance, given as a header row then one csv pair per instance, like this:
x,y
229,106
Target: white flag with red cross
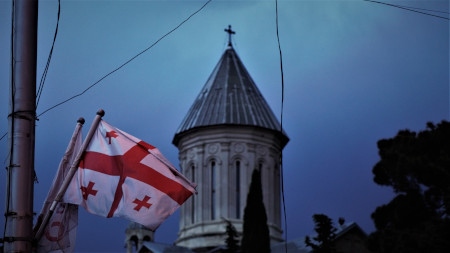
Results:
x,y
122,176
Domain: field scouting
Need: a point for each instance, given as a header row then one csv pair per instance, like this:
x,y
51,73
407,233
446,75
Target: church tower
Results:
x,y
227,133
135,235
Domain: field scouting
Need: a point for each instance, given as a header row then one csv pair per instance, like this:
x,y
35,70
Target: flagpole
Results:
x,y
59,173
70,174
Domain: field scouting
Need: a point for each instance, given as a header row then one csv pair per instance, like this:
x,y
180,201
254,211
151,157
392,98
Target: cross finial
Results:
x,y
230,32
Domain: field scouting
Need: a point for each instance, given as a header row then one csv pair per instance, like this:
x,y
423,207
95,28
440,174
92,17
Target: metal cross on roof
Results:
x,y
230,32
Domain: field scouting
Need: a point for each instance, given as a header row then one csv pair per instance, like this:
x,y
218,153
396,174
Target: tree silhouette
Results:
x,y
231,241
417,167
256,237
323,242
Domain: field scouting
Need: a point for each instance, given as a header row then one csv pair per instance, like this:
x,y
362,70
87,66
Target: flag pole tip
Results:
x,y
81,120
101,113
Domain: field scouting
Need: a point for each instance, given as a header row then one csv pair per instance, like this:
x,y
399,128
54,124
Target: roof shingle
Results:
x,y
229,97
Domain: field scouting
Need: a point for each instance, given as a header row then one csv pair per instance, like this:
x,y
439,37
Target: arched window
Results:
x,y
193,196
134,242
277,201
238,188
147,239
212,167
260,168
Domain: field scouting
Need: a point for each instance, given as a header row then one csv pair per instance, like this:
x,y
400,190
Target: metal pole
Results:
x,y
70,174
59,177
20,171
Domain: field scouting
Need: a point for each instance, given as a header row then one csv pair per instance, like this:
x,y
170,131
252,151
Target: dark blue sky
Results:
x,y
355,72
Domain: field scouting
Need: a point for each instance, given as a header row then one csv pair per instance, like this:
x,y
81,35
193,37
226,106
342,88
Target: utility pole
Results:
x,y
22,115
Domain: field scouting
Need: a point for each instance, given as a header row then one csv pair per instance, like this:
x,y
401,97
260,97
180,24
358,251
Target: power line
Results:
x,y
281,123
413,9
44,74
128,61
446,12
3,136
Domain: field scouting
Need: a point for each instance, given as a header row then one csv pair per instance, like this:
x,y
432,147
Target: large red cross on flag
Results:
x,y
122,176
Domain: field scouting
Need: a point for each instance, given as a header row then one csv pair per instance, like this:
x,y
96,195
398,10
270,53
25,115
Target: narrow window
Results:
x,y
277,196
193,197
213,189
260,168
238,189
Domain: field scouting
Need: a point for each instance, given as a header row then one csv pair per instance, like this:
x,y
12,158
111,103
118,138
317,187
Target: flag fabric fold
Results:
x,y
60,231
122,176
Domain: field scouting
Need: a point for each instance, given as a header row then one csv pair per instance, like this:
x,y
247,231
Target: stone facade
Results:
x,y
221,160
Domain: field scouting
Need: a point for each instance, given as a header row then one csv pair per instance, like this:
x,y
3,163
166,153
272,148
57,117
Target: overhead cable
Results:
x,y
446,12
44,74
281,122
128,61
413,9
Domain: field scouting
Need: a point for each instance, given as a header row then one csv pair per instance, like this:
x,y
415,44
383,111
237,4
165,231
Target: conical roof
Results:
x,y
229,97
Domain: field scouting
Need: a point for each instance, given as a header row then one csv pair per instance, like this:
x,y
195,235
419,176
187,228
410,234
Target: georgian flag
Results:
x,y
122,176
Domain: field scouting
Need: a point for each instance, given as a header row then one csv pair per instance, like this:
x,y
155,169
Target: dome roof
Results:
x,y
229,97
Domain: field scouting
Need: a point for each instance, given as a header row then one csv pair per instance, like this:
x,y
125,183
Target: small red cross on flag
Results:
x,y
142,203
86,191
111,134
113,173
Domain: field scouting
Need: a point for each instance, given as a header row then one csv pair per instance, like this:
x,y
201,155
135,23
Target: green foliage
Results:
x,y
231,241
323,242
256,237
417,167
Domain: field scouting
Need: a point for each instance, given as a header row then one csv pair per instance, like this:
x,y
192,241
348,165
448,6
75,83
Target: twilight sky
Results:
x,y
355,72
